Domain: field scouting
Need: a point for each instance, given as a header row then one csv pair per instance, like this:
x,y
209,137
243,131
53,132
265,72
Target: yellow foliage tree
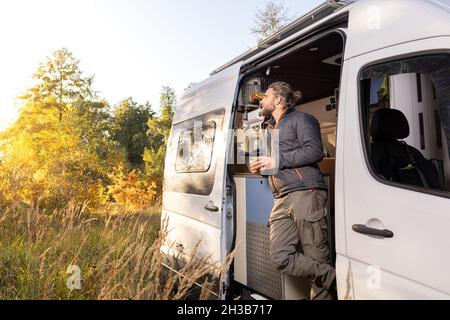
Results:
x,y
58,149
132,191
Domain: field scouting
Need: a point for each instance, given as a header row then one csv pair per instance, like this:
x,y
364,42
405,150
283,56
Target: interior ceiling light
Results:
x,y
313,49
269,69
335,60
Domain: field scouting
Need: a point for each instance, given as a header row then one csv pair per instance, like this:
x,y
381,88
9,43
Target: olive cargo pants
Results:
x,y
298,240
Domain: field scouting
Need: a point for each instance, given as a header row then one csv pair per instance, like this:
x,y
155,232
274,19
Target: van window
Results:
x,y
379,91
195,147
190,161
405,121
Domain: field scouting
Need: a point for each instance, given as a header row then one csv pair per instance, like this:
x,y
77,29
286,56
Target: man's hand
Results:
x,y
261,163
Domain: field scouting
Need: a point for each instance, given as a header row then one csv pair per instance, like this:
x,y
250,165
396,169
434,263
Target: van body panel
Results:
x,y
209,95
206,237
343,274
376,24
190,221
394,287
414,263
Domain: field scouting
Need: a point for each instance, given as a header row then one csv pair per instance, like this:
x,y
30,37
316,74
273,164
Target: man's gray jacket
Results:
x,y
299,149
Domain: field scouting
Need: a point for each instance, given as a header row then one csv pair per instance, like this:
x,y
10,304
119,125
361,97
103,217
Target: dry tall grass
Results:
x,y
118,256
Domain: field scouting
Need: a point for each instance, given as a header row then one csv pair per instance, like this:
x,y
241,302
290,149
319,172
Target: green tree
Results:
x,y
158,134
92,120
269,19
130,125
59,77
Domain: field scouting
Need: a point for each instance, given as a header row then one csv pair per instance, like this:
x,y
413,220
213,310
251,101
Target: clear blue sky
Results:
x,y
133,47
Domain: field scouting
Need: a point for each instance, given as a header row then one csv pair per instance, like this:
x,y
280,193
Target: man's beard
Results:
x,y
264,112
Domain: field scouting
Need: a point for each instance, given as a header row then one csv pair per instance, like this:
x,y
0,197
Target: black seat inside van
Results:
x,y
395,160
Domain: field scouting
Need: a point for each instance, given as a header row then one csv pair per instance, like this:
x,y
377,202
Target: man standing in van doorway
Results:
x,y
298,222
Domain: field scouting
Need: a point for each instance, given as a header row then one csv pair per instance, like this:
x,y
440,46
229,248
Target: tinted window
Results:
x,y
405,108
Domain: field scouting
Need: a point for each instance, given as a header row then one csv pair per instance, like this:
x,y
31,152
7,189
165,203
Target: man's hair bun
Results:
x,y
298,96
284,90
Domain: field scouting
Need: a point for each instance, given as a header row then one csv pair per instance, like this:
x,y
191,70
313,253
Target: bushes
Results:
x,y
132,191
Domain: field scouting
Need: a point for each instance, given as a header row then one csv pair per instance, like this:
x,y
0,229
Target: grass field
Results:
x,y
71,254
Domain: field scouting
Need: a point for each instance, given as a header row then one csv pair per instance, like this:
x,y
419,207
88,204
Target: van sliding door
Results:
x,y
397,207
194,178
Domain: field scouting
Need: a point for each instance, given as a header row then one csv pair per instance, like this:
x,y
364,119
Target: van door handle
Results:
x,y
211,207
363,229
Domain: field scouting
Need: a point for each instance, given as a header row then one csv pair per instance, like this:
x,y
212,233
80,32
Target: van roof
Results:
x,y
316,14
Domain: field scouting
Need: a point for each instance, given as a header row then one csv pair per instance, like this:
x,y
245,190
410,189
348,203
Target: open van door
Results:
x,y
195,168
396,231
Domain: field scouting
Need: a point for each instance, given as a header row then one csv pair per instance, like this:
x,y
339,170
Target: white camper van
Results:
x,y
390,236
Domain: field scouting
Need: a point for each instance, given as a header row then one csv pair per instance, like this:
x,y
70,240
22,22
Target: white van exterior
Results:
x,y
226,209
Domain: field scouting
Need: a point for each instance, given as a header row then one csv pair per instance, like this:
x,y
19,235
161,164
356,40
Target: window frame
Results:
x,y
188,183
364,133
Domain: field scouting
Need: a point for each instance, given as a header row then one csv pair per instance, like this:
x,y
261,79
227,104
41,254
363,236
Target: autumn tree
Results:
x,y
59,148
132,189
269,19
69,145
